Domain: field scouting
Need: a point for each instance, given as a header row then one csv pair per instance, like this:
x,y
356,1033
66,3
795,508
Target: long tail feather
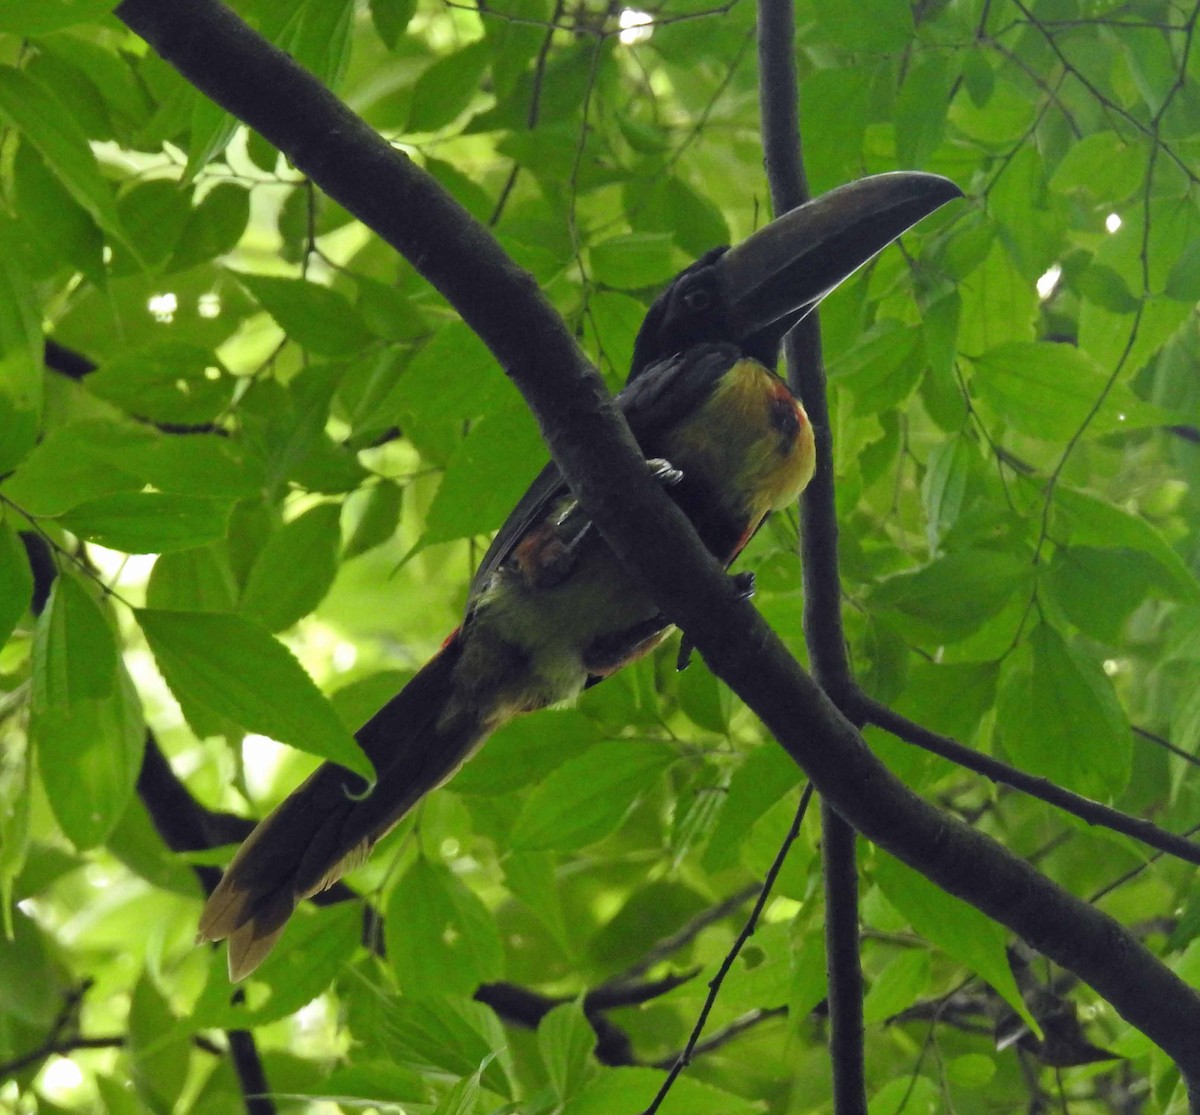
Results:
x,y
327,827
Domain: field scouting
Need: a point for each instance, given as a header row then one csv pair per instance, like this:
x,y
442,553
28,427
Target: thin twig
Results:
x,y
1085,809
714,985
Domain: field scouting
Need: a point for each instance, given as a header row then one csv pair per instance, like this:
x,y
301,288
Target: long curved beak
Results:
x,y
777,275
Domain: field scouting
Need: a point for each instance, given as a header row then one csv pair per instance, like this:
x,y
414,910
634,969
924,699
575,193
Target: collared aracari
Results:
x,y
551,610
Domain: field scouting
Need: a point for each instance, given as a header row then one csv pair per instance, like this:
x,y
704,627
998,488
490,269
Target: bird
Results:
x,y
551,610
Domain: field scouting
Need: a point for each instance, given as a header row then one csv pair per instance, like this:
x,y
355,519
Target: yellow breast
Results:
x,y
753,437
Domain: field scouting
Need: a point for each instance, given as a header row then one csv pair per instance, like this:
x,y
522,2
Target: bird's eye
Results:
x,y
697,299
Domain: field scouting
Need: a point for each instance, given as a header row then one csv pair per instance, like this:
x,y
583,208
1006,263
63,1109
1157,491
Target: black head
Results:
x,y
689,312
752,294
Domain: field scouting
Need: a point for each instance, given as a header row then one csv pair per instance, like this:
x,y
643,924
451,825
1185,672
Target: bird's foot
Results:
x,y
664,472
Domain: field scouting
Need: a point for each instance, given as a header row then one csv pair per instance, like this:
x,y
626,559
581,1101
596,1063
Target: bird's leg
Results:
x,y
744,583
609,653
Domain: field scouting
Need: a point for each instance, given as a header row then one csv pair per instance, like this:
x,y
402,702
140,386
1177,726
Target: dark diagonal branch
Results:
x,y
592,444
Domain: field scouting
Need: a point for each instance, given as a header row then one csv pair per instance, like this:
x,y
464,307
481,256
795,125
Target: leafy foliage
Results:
x,y
315,448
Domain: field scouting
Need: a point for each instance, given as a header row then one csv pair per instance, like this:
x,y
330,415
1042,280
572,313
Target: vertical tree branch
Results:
x,y
249,1068
782,153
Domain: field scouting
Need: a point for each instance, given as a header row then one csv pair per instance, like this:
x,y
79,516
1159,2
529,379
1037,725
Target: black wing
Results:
x,y
658,399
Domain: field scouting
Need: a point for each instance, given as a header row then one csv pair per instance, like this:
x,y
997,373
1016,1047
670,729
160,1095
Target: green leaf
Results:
x,y
212,130
921,110
910,1093
153,214
294,570
532,878
445,90
235,669
56,227
1183,283
978,76
213,227
140,847
1083,520
957,593
463,1097
465,190
1059,717
515,41
1101,164
159,1063
318,945
1105,287
378,520
944,487
971,1070
668,204
951,697
765,775
1047,390
41,118
1127,576
320,39
565,1041
389,313
488,473
875,25
390,18
613,321
633,1089
448,1033
959,930
999,302
20,354
16,815
19,17
882,368
75,463
900,983
81,461
525,750
149,522
588,796
86,720
30,985
452,378
633,260
652,911
702,698
171,382
441,939
315,317
16,581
